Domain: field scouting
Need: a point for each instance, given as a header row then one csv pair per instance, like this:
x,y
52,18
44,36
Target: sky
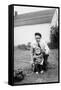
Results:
x,y
25,34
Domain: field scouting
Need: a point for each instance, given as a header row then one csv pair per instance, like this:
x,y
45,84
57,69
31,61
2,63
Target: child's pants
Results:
x,y
38,68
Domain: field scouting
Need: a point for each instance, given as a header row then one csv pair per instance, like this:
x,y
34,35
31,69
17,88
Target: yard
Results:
x,y
22,61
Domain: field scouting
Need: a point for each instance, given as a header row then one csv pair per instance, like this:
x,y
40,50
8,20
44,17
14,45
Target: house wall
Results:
x,y
25,34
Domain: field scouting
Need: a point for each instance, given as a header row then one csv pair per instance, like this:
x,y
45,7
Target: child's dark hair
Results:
x,y
38,34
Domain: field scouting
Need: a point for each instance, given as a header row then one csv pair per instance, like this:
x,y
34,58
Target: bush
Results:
x,y
54,38
23,47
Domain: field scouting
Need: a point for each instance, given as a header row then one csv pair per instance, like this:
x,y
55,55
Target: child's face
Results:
x,y
37,50
37,38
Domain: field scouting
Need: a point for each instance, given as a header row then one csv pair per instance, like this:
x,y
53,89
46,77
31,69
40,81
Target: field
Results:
x,y
22,61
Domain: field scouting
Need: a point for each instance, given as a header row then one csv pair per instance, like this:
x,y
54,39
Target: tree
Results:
x,y
54,37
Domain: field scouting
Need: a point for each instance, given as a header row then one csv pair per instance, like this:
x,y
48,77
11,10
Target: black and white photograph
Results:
x,y
36,45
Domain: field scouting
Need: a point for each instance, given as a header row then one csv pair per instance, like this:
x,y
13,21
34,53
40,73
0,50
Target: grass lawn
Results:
x,y
22,61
